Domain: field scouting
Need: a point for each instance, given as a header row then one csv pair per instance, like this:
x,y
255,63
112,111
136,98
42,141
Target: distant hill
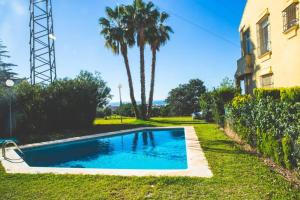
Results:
x,y
155,103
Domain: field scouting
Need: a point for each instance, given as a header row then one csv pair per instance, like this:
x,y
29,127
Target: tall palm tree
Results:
x,y
157,36
143,18
118,37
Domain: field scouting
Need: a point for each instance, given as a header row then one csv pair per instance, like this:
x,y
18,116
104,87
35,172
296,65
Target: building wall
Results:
x,y
284,60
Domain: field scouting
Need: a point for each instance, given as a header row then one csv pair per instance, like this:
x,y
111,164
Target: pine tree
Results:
x,y
5,67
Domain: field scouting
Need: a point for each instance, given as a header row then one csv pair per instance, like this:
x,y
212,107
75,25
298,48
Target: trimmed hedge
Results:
x,y
285,94
269,122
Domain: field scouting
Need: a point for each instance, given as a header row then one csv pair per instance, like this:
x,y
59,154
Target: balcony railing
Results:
x,y
244,66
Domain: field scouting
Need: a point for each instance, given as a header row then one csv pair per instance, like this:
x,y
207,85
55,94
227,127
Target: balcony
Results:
x,y
244,66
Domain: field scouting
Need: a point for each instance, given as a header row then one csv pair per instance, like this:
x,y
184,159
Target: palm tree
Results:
x,y
144,16
156,36
118,37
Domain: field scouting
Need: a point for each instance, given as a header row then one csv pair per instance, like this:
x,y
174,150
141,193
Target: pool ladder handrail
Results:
x,y
7,142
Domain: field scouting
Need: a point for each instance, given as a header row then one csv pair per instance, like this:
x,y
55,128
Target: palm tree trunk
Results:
x,y
143,84
153,66
131,90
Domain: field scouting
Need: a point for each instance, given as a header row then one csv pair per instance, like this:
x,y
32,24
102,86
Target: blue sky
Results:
x,y
209,54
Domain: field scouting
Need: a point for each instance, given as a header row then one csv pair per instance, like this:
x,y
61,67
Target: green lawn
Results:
x,y
237,175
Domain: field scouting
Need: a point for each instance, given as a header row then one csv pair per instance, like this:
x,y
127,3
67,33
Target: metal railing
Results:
x,y
290,16
4,146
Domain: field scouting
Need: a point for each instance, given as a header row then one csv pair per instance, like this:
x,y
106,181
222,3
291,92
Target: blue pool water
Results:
x,y
147,149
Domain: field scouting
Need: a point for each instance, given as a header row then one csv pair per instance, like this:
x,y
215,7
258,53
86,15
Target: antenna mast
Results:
x,y
42,39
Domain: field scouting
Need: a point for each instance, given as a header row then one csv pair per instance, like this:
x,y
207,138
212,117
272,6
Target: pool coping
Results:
x,y
197,163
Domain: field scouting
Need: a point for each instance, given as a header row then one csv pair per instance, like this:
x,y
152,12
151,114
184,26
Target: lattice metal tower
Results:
x,y
42,39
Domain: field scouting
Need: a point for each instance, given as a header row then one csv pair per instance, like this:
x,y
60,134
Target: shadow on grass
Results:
x,y
176,122
219,142
224,151
96,129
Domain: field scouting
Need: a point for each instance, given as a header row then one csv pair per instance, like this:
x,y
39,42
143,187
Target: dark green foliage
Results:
x,y
104,112
290,94
288,152
4,103
107,111
206,106
30,105
184,100
273,126
125,110
213,103
5,67
65,104
165,111
263,93
156,111
285,94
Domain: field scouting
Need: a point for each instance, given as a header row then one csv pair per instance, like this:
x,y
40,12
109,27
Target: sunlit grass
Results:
x,y
237,174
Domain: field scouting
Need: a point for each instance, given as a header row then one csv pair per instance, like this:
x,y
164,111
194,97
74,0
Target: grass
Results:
x,y
237,175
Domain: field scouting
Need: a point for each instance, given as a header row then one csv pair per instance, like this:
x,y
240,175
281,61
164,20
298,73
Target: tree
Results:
x,y
119,35
145,15
5,68
213,103
125,110
139,23
157,36
184,99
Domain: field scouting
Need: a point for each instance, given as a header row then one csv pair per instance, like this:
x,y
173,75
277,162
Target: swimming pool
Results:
x,y
159,151
145,149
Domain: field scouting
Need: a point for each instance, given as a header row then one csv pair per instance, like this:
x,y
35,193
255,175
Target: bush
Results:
x,y
290,94
288,152
165,111
273,126
125,110
4,103
65,104
264,93
217,102
31,108
206,104
283,94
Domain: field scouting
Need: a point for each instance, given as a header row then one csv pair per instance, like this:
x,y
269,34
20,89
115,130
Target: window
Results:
x,y
264,36
290,16
247,42
267,81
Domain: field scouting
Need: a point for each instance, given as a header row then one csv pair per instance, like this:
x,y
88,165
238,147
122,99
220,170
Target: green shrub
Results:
x,y
288,152
273,126
261,93
125,110
285,94
206,103
30,105
240,115
213,104
4,103
290,94
64,104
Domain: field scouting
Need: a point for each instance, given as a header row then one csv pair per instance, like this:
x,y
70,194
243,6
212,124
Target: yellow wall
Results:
x,y
285,58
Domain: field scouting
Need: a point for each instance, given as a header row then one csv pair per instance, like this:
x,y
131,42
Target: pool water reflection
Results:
x,y
147,149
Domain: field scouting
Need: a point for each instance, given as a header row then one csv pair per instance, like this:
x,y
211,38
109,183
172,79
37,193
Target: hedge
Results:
x,y
64,104
269,122
212,104
285,94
